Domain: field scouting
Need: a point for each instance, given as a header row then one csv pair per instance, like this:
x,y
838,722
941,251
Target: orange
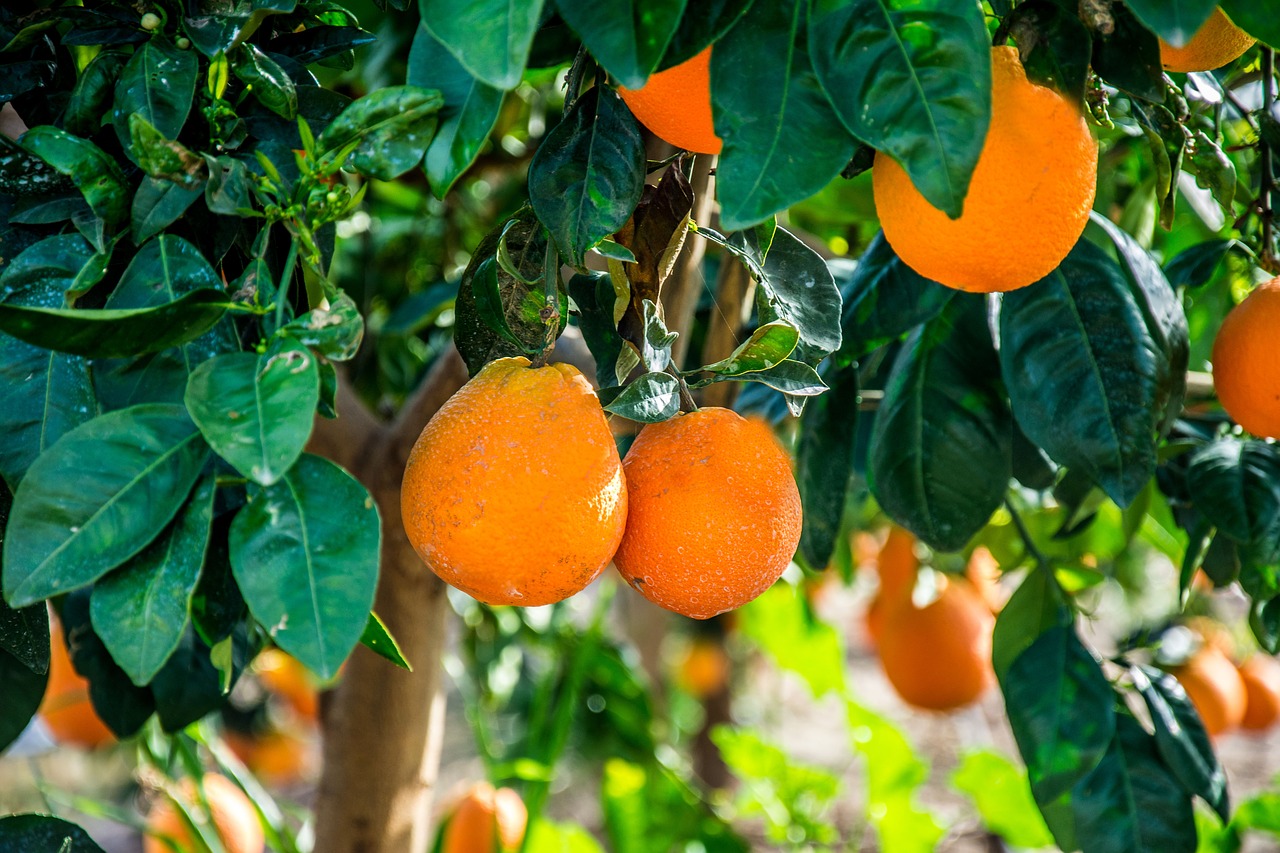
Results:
x,y
1028,201
483,813
703,669
277,757
938,657
1214,687
1246,363
1261,675
1217,42
715,512
234,818
289,680
984,573
66,709
676,105
897,565
514,492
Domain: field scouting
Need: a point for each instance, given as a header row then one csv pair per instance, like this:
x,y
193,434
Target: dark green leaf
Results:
x,y
1214,169
649,399
91,98
256,411
117,701
1031,467
115,333
65,266
1087,379
1175,21
883,298
24,633
469,113
1167,139
95,174
790,377
627,38
1061,709
390,129
228,189
334,330
330,46
1127,55
655,345
233,23
824,464
157,205
911,80
1197,265
305,555
141,609
587,175
941,455
192,684
1181,739
24,174
37,833
1256,18
593,293
1236,486
1056,46
158,83
22,689
378,640
702,24
767,346
163,158
768,113
1035,606
270,84
97,497
491,38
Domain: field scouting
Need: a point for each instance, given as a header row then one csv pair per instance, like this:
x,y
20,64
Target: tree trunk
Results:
x,y
383,726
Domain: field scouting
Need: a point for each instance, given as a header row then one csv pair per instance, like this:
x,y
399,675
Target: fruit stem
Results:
x,y
1025,534
686,398
573,82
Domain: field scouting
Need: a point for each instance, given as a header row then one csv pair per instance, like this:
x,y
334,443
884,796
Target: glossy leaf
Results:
x,y
29,833
627,38
163,158
468,115
911,80
701,25
91,97
1055,44
24,633
1257,19
883,298
191,685
1197,265
95,174
305,554
334,330
1087,379
1183,743
824,464
1127,55
1175,21
593,293
218,32
941,455
97,497
256,411
22,688
648,399
491,38
117,701
1061,710
1037,605
587,176
141,610
271,84
159,84
767,345
328,45
390,129
157,204
1236,486
790,377
227,191
795,286
767,113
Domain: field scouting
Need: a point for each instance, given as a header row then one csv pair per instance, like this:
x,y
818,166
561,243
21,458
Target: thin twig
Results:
x,y
1032,550
686,399
1264,153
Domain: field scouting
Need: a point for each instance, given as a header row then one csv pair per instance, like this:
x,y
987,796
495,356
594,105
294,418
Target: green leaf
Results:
x,y
191,685
236,21
1127,55
593,293
655,344
378,639
467,117
95,174
941,443
1087,379
1055,45
270,83
1236,486
1002,796
256,411
779,623
1175,21
1035,606
22,688
1257,19
626,38
1130,803
883,298
587,175
790,377
648,807
91,97
115,333
1061,709
390,130
117,701
1183,743
1197,265
157,204
141,609
161,157
1214,170
491,38
305,554
769,112
24,633
701,25
159,84
911,80
228,189
824,464
546,836
37,833
648,399
768,345
334,330
97,497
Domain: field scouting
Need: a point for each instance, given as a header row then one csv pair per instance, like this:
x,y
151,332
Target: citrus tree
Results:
x,y
1055,208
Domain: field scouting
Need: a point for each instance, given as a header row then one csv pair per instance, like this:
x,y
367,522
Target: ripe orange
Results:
x,y
1027,204
278,758
1217,42
938,657
514,492
676,105
703,669
1261,675
66,709
897,565
483,813
1246,363
232,811
1215,688
289,680
715,512
984,573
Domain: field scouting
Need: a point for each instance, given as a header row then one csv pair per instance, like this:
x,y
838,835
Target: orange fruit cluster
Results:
x,y
1246,363
485,819
1227,696
515,494
230,811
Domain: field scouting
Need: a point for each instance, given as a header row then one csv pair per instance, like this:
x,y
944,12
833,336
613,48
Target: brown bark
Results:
x,y
734,291
383,726
681,292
